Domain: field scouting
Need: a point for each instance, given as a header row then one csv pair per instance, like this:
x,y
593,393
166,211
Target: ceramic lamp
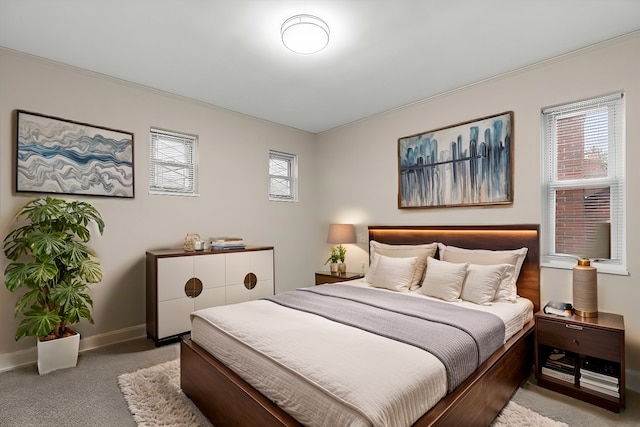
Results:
x,y
585,289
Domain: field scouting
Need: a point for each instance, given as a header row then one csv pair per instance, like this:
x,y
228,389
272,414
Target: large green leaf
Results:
x,y
15,275
37,322
26,300
41,273
77,253
44,210
73,300
16,243
31,274
48,245
90,270
84,213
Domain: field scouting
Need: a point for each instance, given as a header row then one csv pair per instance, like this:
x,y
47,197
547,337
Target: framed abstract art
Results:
x,y
55,155
467,164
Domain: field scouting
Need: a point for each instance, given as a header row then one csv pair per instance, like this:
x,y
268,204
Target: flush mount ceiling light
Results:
x,y
305,34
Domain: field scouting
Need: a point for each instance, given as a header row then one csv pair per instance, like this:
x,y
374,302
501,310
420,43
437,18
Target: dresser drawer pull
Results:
x,y
576,327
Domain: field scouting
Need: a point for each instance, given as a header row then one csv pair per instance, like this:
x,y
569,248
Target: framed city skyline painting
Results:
x,y
62,156
467,164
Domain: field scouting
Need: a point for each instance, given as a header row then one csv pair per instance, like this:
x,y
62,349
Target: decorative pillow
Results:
x,y
393,273
403,251
507,290
443,279
482,281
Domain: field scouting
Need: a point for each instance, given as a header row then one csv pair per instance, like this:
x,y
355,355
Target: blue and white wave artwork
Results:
x,y
56,156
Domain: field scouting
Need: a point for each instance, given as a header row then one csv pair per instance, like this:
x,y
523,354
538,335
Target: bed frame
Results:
x,y
228,400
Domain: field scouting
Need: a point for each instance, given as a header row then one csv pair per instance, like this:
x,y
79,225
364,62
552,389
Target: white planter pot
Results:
x,y
57,354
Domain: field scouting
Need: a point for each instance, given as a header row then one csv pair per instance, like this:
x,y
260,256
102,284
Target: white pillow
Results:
x,y
403,251
507,290
443,279
482,281
393,273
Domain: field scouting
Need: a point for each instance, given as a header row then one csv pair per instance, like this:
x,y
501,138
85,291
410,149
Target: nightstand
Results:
x,y
595,338
323,277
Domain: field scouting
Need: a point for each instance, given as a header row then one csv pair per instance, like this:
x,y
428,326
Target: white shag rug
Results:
x,y
155,399
515,415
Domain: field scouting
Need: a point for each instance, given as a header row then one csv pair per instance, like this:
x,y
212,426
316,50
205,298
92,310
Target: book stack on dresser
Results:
x,y
221,243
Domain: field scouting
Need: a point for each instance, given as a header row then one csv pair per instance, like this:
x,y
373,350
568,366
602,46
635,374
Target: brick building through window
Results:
x,y
582,214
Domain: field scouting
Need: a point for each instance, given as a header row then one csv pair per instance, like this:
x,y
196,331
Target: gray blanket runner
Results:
x,y
460,338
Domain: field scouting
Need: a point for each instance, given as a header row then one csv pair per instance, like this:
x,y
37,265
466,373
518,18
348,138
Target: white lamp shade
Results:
x,y
305,34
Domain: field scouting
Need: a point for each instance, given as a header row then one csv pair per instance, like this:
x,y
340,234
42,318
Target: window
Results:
x,y
584,183
282,176
172,166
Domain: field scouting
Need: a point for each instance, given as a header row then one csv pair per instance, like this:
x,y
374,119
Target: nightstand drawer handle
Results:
x,y
576,327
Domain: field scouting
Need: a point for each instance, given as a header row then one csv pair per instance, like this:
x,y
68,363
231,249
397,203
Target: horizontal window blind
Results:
x,y
584,179
282,176
172,163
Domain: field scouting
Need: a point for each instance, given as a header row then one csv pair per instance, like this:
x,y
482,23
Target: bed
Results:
x,y
226,399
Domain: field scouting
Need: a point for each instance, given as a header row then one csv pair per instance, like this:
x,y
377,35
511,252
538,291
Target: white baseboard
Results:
x,y
14,360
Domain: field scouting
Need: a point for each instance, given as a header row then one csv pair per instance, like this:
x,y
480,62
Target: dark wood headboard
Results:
x,y
494,237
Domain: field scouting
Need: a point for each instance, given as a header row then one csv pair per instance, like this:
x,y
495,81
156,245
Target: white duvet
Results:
x,y
325,373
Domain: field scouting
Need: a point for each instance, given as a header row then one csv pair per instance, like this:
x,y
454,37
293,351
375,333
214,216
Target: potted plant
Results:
x,y
336,257
54,266
342,253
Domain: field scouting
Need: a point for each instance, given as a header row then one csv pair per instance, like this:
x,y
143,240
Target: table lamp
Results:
x,y
342,233
585,276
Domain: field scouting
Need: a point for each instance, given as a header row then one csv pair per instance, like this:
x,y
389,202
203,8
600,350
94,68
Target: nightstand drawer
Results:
x,y
580,339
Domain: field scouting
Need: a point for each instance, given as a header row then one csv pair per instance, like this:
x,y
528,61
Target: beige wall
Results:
x,y
233,187
358,163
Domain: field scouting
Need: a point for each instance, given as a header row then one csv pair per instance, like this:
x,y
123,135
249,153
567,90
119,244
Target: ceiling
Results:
x,y
382,54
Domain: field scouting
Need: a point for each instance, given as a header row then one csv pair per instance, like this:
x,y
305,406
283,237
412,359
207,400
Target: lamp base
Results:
x,y
585,313
585,289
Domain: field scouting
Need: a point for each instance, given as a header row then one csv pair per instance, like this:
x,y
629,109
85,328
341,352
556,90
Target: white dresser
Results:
x,y
179,282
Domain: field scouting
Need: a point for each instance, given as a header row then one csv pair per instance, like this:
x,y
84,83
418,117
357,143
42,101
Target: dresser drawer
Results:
x,y
580,339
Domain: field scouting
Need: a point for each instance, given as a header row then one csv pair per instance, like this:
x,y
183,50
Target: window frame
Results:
x,y
188,140
615,179
292,176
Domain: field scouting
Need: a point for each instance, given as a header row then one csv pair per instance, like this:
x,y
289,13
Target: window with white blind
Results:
x,y
584,184
282,176
172,163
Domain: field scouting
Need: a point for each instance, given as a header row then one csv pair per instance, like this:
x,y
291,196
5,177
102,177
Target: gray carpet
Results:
x,y
88,395
576,412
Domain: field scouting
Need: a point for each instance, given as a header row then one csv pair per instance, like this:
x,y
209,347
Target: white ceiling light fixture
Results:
x,y
305,34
